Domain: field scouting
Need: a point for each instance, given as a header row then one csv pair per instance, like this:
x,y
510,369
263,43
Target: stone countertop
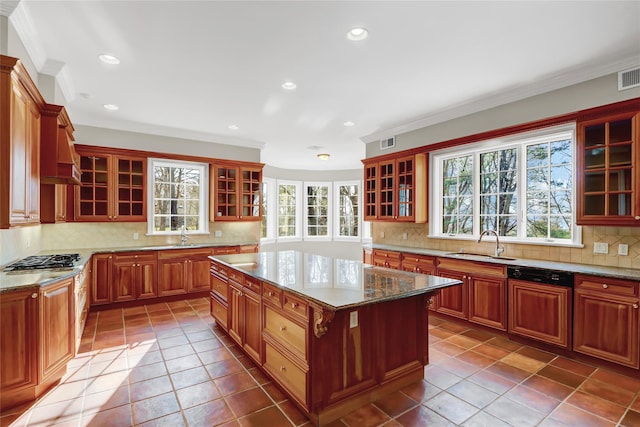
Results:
x,y
16,280
333,283
596,270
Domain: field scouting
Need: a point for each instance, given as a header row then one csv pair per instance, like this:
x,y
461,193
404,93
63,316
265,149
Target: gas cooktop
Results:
x,y
42,262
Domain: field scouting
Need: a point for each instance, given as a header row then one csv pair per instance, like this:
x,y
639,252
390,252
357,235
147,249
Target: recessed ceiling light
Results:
x,y
111,107
108,59
357,34
289,85
324,156
349,124
234,127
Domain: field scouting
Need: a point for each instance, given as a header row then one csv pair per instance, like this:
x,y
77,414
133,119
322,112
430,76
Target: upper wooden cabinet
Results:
x,y
396,189
112,188
236,192
608,184
20,104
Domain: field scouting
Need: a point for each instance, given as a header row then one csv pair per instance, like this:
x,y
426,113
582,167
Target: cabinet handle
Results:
x,y
430,301
637,217
284,328
605,286
34,295
294,305
635,305
282,368
271,294
418,270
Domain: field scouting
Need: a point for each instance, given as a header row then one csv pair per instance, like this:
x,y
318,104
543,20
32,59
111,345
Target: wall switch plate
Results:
x,y
353,319
218,233
382,234
600,248
136,236
623,249
404,236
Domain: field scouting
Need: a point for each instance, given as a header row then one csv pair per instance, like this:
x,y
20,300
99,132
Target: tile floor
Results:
x,y
169,365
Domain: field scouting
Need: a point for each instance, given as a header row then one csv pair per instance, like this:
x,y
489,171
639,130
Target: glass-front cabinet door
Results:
x,y
608,179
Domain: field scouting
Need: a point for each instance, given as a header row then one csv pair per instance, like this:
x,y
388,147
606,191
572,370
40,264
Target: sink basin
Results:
x,y
476,255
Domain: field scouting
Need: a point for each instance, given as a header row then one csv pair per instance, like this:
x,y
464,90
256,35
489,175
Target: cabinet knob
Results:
x,y
34,295
637,217
430,301
284,328
282,368
271,294
294,305
418,270
605,286
635,305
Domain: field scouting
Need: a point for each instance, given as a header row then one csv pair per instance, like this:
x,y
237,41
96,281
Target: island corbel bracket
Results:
x,y
321,320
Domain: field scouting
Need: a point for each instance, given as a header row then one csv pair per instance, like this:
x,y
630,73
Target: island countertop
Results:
x,y
333,283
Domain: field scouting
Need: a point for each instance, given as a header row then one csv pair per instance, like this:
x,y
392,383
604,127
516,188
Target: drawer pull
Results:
x,y
271,294
283,328
34,295
294,305
282,368
605,286
635,305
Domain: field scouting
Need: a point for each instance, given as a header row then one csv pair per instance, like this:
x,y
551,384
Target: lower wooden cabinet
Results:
x,y
183,271
245,316
57,327
388,259
540,311
101,279
606,321
134,276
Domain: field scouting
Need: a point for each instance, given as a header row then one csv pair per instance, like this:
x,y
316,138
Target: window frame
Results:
x,y
269,199
305,214
519,141
298,211
203,214
336,212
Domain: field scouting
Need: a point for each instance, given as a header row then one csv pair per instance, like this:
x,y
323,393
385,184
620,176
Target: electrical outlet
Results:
x,y
136,236
623,249
382,234
28,242
218,233
353,319
600,248
404,236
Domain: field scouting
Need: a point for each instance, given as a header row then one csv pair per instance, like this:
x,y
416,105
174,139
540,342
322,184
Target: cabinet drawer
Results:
x,y
286,373
220,287
295,306
418,263
253,284
288,333
272,294
607,285
236,276
127,257
219,269
219,312
389,255
472,267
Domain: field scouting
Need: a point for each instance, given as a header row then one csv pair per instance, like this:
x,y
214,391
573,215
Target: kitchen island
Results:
x,y
335,334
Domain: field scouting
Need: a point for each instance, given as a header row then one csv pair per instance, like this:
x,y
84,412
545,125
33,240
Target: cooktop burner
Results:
x,y
41,262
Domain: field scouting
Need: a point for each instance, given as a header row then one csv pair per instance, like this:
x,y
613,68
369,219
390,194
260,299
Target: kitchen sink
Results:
x,y
478,255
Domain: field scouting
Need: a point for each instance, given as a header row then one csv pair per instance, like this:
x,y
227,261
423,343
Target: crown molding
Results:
x,y
8,6
28,34
60,72
551,83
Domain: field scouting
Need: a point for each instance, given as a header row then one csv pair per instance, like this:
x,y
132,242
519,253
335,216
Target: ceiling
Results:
x,y
192,69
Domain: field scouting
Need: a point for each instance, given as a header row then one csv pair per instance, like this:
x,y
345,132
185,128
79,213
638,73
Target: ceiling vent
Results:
x,y
629,78
387,143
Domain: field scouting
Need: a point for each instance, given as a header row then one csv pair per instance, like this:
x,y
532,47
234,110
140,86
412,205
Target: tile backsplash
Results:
x,y
416,236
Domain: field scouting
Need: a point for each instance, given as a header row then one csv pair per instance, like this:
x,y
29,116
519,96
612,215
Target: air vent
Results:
x,y
628,79
387,143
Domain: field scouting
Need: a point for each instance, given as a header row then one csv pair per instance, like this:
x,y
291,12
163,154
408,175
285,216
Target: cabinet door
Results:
x,y
541,312
253,326
92,197
20,158
172,277
606,326
147,286
387,184
101,279
251,194
33,163
453,300
18,344
370,191
57,326
236,312
488,301
199,277
225,187
129,189
125,276
607,151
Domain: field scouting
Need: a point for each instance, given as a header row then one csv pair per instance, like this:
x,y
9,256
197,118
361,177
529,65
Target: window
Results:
x,y
521,186
178,196
289,205
267,229
347,210
317,205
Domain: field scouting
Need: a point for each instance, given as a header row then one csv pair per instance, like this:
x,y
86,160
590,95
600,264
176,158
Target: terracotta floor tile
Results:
x,y
560,375
477,335
493,382
548,387
116,417
573,366
178,340
259,376
509,372
440,377
56,412
454,327
155,407
209,414
610,392
205,345
104,400
223,368
534,353
443,334
421,391
463,341
452,408
490,351
183,363
138,359
572,416
472,393
603,408
523,362
394,404
423,416
198,394
514,413
107,381
624,381
483,419
532,399
213,356
458,367
504,343
163,333
189,377
146,372
175,352
235,383
149,388
476,359
636,404
631,419
172,420
436,356
448,348
248,401
275,392
366,416
293,413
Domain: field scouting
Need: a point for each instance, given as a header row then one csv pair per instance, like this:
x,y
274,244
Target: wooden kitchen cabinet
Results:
x,y
606,321
236,192
57,328
219,294
53,203
82,283
540,311
245,314
423,264
395,189
135,276
20,103
388,259
482,298
608,184
101,279
183,271
112,186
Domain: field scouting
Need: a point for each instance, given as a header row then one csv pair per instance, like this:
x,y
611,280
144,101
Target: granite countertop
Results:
x,y
10,281
597,270
333,283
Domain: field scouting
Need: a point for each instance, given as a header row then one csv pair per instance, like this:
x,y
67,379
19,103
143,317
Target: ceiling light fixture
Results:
x,y
324,156
349,124
289,85
357,34
111,107
234,127
108,59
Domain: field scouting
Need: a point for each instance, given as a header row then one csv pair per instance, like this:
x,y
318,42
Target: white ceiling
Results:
x,y
191,69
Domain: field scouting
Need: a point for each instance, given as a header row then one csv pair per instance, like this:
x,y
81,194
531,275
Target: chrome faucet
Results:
x,y
183,235
499,249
